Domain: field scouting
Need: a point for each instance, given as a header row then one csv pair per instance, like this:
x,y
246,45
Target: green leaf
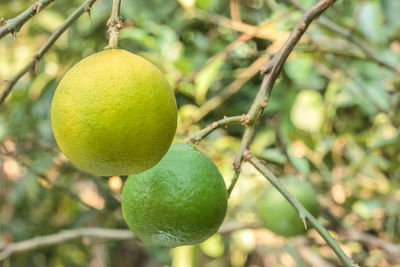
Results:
x,y
273,155
371,21
206,77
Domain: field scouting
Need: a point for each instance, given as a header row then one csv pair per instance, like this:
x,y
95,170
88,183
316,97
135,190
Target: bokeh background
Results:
x,y
333,119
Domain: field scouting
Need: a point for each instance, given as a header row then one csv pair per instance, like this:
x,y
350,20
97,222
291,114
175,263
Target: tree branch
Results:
x,y
303,213
231,89
100,233
261,31
114,23
197,137
14,25
85,7
369,52
271,72
392,249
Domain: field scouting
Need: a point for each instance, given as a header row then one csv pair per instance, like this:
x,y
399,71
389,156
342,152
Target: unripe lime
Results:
x,y
180,201
114,113
278,215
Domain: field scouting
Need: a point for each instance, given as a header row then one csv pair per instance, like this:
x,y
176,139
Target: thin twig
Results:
x,y
114,24
14,25
392,249
261,31
49,181
369,52
32,65
220,55
100,233
261,100
197,137
303,213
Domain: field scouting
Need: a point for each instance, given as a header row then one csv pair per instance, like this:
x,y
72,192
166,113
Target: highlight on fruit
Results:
x,y
114,113
180,201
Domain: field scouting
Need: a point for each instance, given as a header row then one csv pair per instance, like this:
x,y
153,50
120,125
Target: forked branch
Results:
x,y
271,72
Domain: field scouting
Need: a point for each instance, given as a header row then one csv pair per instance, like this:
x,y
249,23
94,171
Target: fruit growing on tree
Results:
x,y
278,215
180,201
114,113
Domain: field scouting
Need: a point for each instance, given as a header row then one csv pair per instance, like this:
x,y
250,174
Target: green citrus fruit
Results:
x,y
180,201
278,215
114,113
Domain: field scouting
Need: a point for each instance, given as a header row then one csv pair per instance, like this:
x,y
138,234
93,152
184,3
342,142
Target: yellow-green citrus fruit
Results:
x,y
278,215
180,201
114,113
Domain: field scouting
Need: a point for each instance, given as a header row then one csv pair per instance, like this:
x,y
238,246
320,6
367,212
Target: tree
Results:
x,y
332,117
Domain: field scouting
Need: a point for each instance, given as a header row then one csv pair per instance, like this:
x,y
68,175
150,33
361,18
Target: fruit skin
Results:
x,y
180,201
114,113
278,215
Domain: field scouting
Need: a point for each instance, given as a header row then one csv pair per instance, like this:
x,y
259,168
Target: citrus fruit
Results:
x,y
114,113
278,215
180,201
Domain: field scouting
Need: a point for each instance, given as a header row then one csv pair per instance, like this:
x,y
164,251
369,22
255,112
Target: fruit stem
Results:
x,y
346,261
114,24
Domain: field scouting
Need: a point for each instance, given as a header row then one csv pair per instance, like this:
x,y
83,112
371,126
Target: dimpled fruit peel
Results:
x,y
114,113
180,201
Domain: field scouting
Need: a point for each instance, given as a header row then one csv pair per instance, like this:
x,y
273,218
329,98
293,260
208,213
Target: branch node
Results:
x,y
236,167
264,104
36,7
268,67
114,24
302,26
247,155
194,141
214,125
245,119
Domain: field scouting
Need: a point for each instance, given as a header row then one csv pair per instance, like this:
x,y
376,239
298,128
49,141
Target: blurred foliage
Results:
x,y
333,119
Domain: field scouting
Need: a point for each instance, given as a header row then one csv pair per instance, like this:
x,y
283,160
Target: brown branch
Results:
x,y
85,7
99,233
369,52
271,72
261,31
14,25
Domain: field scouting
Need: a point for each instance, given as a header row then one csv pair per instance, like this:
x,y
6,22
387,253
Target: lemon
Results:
x,y
114,113
278,215
180,201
